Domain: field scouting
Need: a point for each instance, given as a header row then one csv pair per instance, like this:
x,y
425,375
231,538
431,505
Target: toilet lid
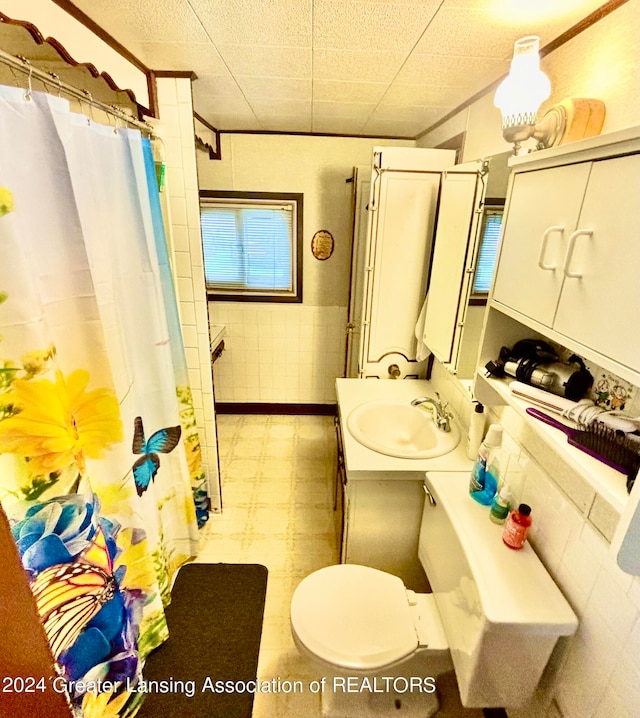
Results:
x,y
353,616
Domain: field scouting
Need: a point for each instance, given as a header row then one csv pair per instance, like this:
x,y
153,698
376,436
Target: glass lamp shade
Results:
x,y
521,93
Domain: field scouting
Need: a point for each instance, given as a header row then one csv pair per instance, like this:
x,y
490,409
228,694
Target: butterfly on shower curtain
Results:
x,y
160,442
69,595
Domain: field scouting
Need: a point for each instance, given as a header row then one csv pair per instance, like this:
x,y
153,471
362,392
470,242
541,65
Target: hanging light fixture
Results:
x,y
521,93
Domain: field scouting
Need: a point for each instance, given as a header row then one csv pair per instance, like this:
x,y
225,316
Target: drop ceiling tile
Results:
x,y
274,88
392,128
267,61
256,22
561,14
291,108
356,66
137,21
335,91
425,116
454,71
337,125
369,25
468,32
286,123
343,109
217,86
423,95
231,121
202,58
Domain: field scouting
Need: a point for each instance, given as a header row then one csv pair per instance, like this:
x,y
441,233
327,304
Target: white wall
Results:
x,y
596,673
290,353
175,127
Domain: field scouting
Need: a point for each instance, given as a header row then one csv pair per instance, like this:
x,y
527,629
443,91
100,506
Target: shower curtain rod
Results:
x,y
49,78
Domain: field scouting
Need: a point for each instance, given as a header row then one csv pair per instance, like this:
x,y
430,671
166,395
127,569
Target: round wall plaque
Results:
x,y
322,244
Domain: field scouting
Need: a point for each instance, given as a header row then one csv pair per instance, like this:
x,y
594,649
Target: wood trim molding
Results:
x,y
268,408
569,34
180,74
64,54
214,153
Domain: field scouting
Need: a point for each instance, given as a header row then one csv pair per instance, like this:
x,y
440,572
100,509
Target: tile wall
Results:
x,y
182,217
279,353
596,673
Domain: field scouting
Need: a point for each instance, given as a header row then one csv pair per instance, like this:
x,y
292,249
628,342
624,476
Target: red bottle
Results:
x,y
515,530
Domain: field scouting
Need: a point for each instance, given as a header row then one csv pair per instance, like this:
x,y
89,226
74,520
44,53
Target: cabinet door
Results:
x,y
451,267
543,212
400,254
600,300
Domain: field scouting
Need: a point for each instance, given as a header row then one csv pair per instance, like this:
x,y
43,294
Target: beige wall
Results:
x,y
290,353
602,62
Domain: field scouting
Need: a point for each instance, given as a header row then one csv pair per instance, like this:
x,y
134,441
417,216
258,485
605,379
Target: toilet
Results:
x,y
494,615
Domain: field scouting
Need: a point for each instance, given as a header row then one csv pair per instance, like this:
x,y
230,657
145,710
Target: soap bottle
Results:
x,y
517,526
476,430
484,479
500,506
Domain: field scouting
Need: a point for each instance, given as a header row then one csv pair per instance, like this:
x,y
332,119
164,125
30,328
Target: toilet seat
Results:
x,y
354,616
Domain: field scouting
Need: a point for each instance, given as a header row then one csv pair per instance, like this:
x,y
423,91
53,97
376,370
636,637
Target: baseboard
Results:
x,y
268,408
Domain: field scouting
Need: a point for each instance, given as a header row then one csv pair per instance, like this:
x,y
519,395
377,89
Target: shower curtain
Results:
x,y
100,469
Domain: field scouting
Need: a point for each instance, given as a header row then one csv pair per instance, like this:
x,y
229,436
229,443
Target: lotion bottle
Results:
x,y
476,430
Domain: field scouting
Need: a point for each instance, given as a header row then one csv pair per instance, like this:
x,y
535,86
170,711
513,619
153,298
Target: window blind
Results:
x,y
249,246
488,254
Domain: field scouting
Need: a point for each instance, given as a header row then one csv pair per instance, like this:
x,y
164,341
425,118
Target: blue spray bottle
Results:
x,y
484,480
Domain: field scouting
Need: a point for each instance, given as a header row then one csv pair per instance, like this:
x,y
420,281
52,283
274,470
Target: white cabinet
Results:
x,y
600,299
382,525
570,257
401,212
568,271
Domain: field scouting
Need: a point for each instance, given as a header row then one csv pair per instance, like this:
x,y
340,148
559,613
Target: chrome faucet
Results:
x,y
438,409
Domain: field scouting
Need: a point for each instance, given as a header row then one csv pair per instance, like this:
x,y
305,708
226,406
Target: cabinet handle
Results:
x,y
431,498
571,246
543,247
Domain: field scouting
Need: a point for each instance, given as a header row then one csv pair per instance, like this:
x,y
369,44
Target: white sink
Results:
x,y
399,429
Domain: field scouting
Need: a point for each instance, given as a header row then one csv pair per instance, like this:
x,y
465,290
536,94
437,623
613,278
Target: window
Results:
x,y
252,244
488,253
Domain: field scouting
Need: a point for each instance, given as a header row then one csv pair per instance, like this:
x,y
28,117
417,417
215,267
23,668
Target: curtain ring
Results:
x,y
57,79
90,103
28,95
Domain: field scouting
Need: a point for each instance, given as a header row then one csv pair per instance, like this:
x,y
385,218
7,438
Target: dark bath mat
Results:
x,y
215,624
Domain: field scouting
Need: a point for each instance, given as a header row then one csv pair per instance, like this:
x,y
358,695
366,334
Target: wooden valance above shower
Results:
x,y
23,39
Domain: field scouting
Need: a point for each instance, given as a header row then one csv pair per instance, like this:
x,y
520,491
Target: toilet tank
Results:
x,y
501,610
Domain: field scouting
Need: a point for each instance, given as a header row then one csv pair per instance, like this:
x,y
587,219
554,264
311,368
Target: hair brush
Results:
x,y
600,441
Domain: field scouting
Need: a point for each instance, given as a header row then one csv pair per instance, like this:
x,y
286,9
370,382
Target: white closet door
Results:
x,y
543,212
455,238
400,255
601,307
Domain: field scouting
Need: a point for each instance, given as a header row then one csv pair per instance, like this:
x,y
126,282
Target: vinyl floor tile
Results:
x,y
277,476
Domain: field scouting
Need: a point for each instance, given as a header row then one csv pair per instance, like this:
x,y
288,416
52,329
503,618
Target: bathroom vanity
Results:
x,y
383,495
